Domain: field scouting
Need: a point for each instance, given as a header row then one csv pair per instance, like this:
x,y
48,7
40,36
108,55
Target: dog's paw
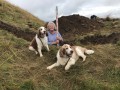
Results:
x,y
41,55
66,68
36,52
48,50
49,68
83,60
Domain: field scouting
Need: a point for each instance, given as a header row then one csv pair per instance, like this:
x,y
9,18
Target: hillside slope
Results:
x,y
21,69
13,15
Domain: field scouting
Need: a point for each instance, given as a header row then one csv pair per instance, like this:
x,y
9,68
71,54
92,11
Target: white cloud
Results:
x,y
45,9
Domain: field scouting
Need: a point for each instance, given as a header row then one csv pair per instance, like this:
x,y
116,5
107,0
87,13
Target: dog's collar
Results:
x,y
67,61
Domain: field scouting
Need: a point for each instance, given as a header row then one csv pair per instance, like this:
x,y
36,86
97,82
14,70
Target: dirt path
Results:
x,y
101,39
17,31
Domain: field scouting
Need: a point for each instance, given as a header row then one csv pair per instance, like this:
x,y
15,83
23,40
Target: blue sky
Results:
x,y
45,9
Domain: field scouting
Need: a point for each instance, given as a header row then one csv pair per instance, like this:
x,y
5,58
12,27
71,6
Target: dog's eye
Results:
x,y
40,29
66,48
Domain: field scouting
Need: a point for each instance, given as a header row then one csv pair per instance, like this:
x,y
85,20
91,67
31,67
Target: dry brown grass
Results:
x,y
18,17
21,69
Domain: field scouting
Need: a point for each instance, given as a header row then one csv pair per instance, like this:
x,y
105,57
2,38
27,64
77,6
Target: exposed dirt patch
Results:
x,y
75,24
101,39
69,26
17,31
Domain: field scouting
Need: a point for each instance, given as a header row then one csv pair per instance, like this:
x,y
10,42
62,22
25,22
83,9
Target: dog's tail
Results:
x,y
89,51
80,51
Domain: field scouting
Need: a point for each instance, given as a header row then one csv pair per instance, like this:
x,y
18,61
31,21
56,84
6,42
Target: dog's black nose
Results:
x,y
44,32
71,51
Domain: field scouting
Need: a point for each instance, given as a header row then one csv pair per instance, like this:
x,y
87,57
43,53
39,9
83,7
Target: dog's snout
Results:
x,y
44,32
71,51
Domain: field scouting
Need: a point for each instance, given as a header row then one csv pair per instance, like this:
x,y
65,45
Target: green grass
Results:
x,y
15,16
21,69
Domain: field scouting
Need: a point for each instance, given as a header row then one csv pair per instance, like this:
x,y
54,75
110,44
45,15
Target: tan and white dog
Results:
x,y
67,55
39,41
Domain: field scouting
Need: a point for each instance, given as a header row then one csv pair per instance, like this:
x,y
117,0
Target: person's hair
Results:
x,y
51,23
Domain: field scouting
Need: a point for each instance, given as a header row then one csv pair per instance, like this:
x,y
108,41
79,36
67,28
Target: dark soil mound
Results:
x,y
25,34
75,24
101,39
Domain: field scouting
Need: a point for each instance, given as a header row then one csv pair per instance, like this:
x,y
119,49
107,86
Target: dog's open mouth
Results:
x,y
70,54
42,35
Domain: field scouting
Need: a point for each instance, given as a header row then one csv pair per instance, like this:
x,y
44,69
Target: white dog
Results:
x,y
39,41
68,55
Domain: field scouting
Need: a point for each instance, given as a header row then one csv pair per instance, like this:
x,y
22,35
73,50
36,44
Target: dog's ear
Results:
x,y
46,33
62,52
39,33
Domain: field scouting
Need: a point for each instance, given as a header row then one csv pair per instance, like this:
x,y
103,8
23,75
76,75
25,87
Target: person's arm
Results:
x,y
55,42
50,43
59,37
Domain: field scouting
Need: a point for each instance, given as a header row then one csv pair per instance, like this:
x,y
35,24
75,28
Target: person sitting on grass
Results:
x,y
54,37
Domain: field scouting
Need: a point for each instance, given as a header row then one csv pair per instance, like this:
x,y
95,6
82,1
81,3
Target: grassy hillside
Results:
x,y
15,16
21,69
